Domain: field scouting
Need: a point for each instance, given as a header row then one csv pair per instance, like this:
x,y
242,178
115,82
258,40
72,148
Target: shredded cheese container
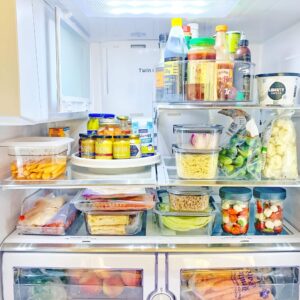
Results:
x,y
37,158
196,164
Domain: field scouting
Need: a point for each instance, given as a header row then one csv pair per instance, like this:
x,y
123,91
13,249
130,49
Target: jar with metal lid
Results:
x,y
93,123
87,147
109,125
269,209
121,147
235,209
82,136
135,146
124,126
201,69
103,147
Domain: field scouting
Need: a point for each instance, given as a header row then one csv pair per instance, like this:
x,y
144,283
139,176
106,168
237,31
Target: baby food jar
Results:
x,y
103,147
121,147
269,209
87,146
235,209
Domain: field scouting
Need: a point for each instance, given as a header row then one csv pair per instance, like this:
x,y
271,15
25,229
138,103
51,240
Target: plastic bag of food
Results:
x,y
241,157
279,148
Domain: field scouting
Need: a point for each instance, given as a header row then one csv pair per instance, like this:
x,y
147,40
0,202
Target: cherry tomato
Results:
x,y
278,229
236,229
260,226
233,218
226,228
259,207
244,229
232,211
276,216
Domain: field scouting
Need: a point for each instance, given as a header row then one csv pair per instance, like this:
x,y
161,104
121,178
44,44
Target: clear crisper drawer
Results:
x,y
240,284
65,284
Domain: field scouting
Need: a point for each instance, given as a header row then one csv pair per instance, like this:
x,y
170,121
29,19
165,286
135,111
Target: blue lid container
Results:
x,y
235,193
269,193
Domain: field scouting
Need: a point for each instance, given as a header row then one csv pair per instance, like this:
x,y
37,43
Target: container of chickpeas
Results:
x,y
38,158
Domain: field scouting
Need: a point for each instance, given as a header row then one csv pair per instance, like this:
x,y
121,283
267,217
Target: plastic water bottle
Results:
x,y
174,63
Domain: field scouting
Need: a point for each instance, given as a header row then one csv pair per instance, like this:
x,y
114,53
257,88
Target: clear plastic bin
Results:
x,y
196,164
185,223
48,212
188,199
114,223
198,137
38,158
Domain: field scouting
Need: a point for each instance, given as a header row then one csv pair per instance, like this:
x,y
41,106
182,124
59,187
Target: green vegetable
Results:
x,y
185,223
225,160
228,169
232,152
239,161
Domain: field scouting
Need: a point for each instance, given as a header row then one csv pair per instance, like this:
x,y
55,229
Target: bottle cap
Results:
x,y
176,22
243,43
222,28
186,28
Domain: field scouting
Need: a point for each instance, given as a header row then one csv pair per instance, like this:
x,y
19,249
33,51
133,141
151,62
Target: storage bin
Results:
x,y
48,212
38,158
198,137
196,164
269,209
188,199
185,223
114,223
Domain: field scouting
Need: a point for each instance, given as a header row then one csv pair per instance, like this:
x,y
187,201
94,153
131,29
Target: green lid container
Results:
x,y
203,41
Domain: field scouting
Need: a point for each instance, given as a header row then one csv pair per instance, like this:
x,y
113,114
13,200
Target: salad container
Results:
x,y
47,212
38,158
185,223
196,164
202,137
269,209
184,199
114,223
235,209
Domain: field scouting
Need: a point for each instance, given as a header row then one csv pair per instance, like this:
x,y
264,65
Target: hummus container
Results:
x,y
279,89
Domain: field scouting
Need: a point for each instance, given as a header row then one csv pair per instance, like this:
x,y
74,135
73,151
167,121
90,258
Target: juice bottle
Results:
x,y
174,63
224,67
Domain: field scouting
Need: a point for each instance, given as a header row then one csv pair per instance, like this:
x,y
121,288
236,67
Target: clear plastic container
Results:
x,y
114,223
109,125
235,209
269,209
38,158
196,164
188,199
198,137
185,223
47,212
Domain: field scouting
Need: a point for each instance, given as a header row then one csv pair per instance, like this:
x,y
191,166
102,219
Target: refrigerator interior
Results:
x,y
123,53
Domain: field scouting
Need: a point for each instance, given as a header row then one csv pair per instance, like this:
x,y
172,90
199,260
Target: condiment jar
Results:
x,y
135,146
124,124
109,125
201,69
93,123
235,209
121,147
103,147
269,209
87,149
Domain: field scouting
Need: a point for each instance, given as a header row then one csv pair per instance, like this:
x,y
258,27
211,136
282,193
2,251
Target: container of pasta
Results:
x,y
38,158
191,199
114,223
196,164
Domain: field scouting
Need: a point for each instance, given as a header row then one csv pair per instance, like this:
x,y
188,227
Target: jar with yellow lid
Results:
x,y
87,146
103,147
121,147
135,146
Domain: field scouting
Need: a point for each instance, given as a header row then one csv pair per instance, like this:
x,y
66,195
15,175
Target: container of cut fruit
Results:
x,y
235,209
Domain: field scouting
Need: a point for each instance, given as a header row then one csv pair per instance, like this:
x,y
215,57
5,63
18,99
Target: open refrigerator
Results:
x,y
114,45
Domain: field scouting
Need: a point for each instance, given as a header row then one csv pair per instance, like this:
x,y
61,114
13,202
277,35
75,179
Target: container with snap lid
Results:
x,y
191,199
198,137
269,209
235,209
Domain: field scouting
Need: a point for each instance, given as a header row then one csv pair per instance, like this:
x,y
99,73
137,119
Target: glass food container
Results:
x,y
124,124
188,199
103,147
121,147
114,223
199,137
185,223
196,164
269,209
93,123
38,158
235,209
87,148
109,125
201,69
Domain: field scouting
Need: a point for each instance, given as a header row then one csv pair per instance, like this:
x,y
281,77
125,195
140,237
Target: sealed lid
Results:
x,y
222,27
278,74
107,116
272,193
83,135
186,28
121,136
176,22
233,32
176,149
103,136
134,136
37,142
201,128
243,43
122,118
95,115
235,193
203,41
192,191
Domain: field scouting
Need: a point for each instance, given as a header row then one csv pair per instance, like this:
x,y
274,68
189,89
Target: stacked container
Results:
x,y
197,150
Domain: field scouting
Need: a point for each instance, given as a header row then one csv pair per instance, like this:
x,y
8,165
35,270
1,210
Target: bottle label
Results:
x,y
159,78
173,70
224,80
135,150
